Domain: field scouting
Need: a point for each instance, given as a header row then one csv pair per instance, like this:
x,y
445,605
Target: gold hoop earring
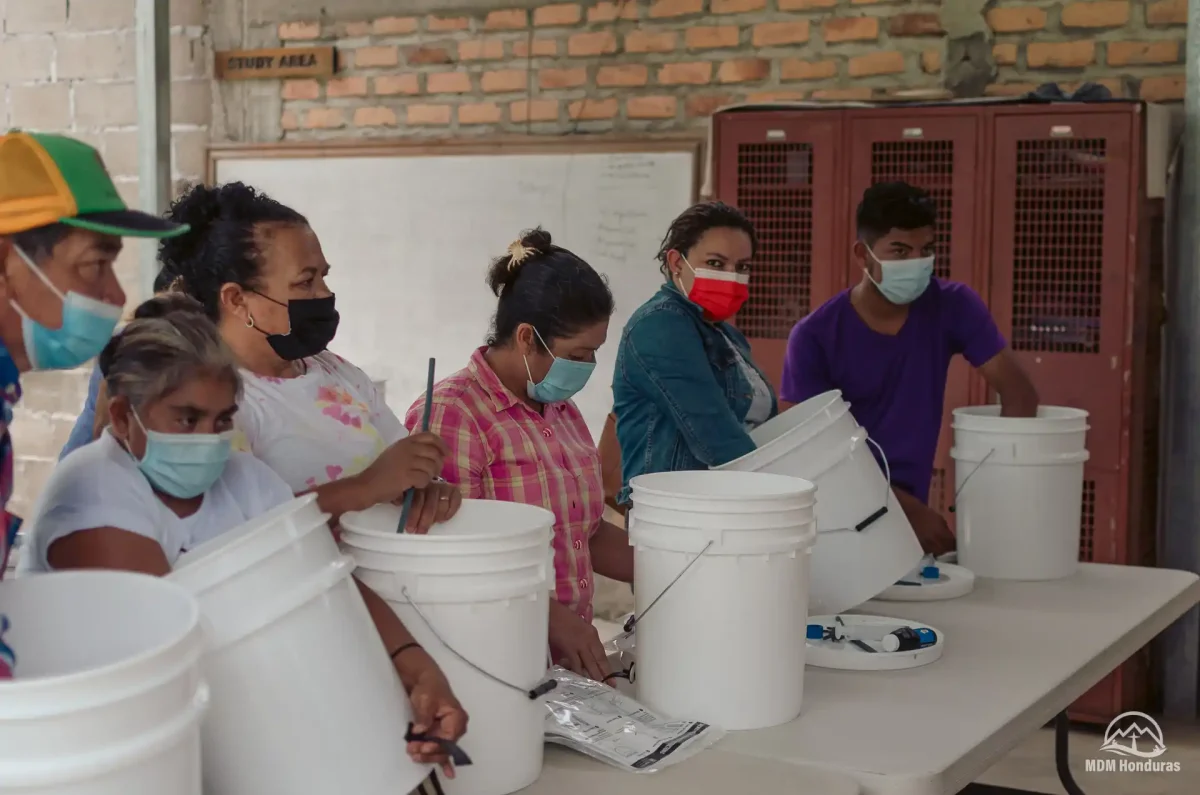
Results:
x,y
249,321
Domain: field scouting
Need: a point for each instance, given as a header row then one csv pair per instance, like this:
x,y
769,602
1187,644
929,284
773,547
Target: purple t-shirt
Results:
x,y
896,385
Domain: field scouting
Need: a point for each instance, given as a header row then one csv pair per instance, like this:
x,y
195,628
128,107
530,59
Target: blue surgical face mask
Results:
x,y
184,465
87,326
902,281
563,380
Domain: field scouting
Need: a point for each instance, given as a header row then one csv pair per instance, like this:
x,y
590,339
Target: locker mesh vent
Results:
x,y
1058,245
775,192
1087,523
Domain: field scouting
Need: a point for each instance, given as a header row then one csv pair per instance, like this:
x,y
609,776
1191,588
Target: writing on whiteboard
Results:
x,y
619,234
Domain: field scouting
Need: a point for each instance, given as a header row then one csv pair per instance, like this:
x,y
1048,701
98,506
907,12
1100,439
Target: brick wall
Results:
x,y
544,68
69,67
665,64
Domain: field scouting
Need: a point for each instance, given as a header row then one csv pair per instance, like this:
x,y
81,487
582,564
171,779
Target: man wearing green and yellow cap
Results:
x,y
61,224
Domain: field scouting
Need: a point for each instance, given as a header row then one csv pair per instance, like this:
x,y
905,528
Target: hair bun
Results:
x,y
531,245
199,206
537,239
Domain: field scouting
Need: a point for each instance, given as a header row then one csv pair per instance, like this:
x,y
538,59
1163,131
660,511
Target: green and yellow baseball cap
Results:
x,y
46,179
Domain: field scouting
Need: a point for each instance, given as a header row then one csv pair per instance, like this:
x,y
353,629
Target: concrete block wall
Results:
x,y
69,66
635,65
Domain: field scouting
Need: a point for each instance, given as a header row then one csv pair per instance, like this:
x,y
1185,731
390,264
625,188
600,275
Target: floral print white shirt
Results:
x,y
327,424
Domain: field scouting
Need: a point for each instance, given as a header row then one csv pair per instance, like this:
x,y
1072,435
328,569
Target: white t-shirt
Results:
x,y
100,485
325,425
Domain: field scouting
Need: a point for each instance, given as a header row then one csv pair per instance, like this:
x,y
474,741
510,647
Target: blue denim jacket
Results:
x,y
84,429
678,392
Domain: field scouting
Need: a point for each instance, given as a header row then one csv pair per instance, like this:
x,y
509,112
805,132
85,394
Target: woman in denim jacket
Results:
x,y
686,392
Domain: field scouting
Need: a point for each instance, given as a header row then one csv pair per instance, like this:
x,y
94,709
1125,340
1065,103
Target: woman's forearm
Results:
x,y
341,496
612,555
409,662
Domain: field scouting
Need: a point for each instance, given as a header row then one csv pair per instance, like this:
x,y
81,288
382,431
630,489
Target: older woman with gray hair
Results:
x,y
162,478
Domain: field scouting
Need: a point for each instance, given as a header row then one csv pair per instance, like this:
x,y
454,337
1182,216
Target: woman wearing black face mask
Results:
x,y
257,268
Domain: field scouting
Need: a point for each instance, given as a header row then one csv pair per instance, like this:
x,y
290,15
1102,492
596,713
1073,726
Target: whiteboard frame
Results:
x,y
692,144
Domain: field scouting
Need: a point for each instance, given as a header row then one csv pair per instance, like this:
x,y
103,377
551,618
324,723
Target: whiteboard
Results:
x,y
410,238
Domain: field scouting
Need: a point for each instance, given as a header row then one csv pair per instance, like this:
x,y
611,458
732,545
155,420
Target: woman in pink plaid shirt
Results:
x,y
514,433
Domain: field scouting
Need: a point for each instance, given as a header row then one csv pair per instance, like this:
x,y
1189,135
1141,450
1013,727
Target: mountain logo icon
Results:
x,y
1134,734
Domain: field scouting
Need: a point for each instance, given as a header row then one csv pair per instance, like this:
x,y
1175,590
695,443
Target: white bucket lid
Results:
x,y
949,582
233,552
847,656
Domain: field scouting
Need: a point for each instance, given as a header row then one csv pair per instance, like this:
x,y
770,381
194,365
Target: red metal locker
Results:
x,y
936,149
1061,264
1064,263
781,169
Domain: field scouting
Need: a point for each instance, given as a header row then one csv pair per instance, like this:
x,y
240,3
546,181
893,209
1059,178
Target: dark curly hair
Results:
x,y
687,229
551,289
221,246
893,205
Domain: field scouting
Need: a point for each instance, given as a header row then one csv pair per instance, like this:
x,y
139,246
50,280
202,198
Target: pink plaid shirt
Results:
x,y
500,449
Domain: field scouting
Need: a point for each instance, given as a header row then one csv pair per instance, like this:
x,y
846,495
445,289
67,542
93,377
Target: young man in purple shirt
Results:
x,y
886,343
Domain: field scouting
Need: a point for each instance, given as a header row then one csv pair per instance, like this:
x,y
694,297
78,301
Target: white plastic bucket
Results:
x,y
478,585
725,643
305,700
1019,487
107,696
820,441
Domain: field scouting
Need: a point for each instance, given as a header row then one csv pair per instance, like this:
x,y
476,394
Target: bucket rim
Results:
x,y
437,545
991,411
180,638
226,545
833,396
433,542
786,486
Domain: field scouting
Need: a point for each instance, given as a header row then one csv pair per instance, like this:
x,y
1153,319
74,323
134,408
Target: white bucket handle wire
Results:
x,y
954,503
880,512
634,618
532,694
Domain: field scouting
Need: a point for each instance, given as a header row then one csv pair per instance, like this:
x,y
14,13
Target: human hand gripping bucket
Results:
x,y
721,573
1019,491
107,696
475,592
865,543
304,698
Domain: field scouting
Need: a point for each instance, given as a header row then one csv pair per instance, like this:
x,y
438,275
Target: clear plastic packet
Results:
x,y
622,649
599,721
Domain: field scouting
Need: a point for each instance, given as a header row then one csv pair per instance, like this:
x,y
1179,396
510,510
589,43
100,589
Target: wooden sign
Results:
x,y
276,63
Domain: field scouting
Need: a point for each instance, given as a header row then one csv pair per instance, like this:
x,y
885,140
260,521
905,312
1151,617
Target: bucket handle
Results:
x,y
634,619
533,694
880,512
959,490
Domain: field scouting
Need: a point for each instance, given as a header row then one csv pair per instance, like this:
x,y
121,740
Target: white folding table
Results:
x,y
1017,654
712,772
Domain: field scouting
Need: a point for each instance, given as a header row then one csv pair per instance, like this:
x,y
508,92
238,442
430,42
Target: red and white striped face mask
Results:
x,y
719,293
